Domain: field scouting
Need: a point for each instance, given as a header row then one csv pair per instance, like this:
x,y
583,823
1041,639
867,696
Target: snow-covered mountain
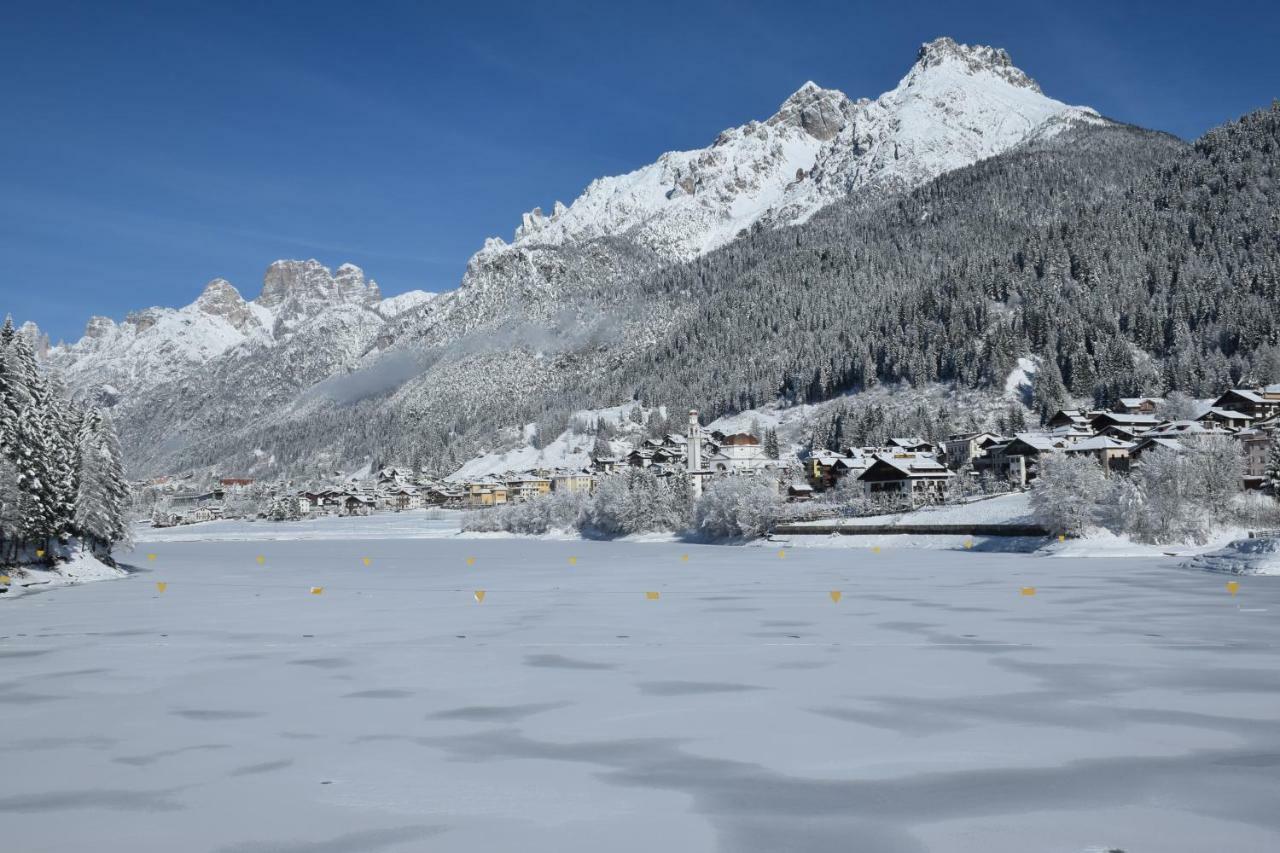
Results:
x,y
158,345
958,104
307,366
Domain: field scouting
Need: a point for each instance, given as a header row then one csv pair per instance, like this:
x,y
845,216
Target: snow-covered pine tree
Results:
x,y
63,422
39,500
1272,474
771,448
102,491
10,510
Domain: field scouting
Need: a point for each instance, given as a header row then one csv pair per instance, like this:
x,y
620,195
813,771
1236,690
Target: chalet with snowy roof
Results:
x,y
825,468
1068,417
799,491
912,444
640,457
1120,433
1226,418
1111,453
1258,404
399,496
1136,405
962,448
1177,429
912,475
358,505
1151,445
1017,458
668,455
605,464
1133,423
235,482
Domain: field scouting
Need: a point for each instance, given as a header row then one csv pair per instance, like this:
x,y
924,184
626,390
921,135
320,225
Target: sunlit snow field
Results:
x,y
1128,703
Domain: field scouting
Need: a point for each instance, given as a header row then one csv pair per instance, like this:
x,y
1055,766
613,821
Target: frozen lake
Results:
x,y
935,707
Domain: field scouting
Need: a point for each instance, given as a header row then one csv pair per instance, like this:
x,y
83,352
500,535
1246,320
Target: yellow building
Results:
x,y
528,488
579,483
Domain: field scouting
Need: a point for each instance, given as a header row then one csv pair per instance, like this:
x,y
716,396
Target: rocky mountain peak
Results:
x,y
295,289
971,59
99,327
220,299
822,113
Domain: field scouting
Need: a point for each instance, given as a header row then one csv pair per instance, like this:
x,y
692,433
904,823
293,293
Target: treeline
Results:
x,y
61,475
1172,497
636,501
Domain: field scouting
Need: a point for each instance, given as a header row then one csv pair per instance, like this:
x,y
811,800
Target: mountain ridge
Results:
x,y
539,325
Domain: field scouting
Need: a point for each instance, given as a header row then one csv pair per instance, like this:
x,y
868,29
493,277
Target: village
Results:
x,y
908,471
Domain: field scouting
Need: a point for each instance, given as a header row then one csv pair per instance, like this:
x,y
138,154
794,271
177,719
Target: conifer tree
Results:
x,y
1272,474
771,448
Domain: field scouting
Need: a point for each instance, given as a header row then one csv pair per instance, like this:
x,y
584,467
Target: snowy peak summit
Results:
x,y
974,59
957,104
822,113
310,284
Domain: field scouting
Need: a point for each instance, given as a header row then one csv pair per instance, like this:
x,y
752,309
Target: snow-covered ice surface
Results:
x,y
1128,703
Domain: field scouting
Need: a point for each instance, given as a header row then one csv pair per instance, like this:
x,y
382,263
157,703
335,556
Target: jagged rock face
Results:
x,y
157,346
296,290
976,59
99,327
821,113
221,299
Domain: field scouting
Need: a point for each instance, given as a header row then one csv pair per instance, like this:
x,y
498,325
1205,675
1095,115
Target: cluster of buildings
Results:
x,y
1117,438
912,468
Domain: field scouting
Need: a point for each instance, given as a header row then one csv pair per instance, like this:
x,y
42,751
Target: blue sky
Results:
x,y
149,147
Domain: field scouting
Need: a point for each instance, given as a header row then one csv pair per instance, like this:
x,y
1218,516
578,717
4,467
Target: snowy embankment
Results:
x,y
83,567
1259,556
1003,509
410,524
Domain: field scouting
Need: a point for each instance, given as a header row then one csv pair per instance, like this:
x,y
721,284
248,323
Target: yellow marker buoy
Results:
x,y
316,590
573,561
479,596
1028,590
1233,587
161,586
782,555
261,560
365,560
151,556
652,596
471,561
836,595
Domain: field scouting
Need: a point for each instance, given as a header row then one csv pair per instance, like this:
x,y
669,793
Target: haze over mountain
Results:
x,y
669,271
